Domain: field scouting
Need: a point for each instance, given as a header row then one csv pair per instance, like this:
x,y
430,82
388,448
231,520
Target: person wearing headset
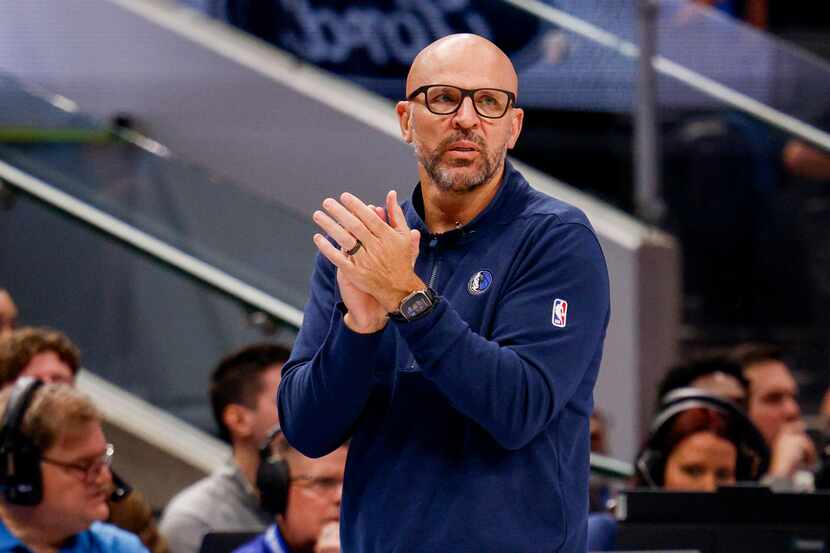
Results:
x,y
54,473
698,442
303,494
242,390
49,355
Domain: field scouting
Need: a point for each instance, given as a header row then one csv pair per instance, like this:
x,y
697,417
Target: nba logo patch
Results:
x,y
560,313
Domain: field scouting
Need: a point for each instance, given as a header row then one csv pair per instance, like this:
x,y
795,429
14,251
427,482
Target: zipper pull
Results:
x,y
433,241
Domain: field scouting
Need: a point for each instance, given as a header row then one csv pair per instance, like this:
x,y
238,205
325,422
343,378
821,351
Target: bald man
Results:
x,y
455,339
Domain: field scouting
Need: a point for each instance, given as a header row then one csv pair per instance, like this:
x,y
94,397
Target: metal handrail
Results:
x,y
665,66
156,248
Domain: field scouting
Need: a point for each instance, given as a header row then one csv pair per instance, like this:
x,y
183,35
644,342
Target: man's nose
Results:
x,y
792,409
466,117
103,477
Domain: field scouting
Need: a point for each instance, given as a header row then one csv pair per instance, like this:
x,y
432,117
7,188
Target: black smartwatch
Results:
x,y
415,305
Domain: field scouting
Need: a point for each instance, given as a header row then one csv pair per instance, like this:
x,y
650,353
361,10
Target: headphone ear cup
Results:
x,y
272,479
20,478
22,485
753,452
650,466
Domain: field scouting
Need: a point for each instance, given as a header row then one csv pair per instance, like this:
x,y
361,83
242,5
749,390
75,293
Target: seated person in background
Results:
x,y
243,389
51,357
824,410
700,441
599,487
8,313
773,407
41,353
303,495
715,373
599,432
54,474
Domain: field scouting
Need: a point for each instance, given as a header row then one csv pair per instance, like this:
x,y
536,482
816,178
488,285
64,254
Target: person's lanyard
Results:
x,y
274,541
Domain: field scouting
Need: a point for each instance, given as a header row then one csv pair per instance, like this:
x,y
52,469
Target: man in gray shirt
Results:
x,y
242,392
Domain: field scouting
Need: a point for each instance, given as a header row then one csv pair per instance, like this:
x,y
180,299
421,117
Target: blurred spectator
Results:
x,y
600,488
806,195
243,393
773,407
8,313
41,353
714,373
303,495
824,410
599,432
51,357
805,161
753,12
700,441
55,475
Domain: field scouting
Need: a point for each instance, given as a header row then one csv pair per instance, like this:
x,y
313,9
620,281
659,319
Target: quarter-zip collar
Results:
x,y
496,212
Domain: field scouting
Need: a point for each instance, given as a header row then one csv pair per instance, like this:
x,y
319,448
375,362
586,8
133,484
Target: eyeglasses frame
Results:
x,y
316,483
104,460
465,93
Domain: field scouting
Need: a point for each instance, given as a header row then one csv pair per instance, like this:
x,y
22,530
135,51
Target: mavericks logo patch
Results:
x,y
480,282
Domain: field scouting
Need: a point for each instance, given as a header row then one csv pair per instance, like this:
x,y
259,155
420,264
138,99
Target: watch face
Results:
x,y
416,305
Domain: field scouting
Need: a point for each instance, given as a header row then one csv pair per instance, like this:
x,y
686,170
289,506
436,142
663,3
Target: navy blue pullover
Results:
x,y
469,426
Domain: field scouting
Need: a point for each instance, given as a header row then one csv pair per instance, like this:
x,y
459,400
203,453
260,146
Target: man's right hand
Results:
x,y
792,450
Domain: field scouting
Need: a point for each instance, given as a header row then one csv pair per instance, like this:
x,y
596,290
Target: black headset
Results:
x,y
20,478
753,453
272,477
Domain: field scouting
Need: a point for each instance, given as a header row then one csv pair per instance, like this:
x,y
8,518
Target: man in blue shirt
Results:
x,y
54,473
455,339
306,497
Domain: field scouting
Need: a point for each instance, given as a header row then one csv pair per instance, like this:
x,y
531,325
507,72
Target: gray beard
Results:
x,y
444,177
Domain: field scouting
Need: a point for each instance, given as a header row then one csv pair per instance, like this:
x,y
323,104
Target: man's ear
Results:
x,y
404,111
515,127
239,420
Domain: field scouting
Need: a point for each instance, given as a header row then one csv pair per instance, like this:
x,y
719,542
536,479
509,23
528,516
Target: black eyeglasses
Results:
x,y
88,472
442,99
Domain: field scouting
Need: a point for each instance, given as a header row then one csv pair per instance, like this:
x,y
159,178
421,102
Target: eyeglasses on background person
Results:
x,y
87,471
319,484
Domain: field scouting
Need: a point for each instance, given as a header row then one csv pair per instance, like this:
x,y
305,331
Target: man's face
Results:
x,y
73,498
313,498
461,151
265,413
773,395
48,367
8,314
